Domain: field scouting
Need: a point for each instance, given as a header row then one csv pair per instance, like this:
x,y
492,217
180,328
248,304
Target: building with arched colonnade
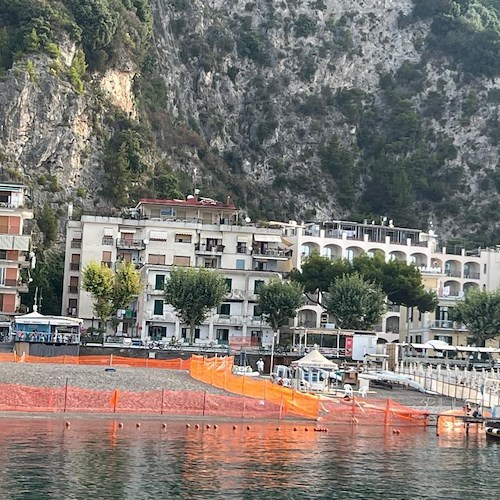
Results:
x,y
450,272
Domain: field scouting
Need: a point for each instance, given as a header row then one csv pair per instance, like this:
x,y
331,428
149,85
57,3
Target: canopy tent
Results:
x,y
35,318
315,359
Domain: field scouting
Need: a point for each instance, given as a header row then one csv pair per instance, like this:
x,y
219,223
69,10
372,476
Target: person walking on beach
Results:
x,y
260,366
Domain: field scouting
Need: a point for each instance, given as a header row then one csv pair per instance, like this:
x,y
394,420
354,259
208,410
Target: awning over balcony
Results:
x,y
269,238
158,235
211,234
243,239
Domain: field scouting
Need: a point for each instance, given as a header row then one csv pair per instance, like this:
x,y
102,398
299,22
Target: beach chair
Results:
x,y
348,391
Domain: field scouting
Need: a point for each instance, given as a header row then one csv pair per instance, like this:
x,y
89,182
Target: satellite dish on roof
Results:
x,y
248,220
190,196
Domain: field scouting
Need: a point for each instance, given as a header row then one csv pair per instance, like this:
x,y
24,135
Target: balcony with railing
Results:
x,y
130,244
15,283
76,243
235,294
152,290
447,324
223,319
242,249
74,266
209,248
119,264
273,253
73,289
108,240
13,258
471,275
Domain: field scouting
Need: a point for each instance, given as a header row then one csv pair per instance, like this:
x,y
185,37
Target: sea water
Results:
x,y
134,458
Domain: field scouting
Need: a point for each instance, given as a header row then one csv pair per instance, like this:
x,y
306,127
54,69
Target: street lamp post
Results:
x,y
271,366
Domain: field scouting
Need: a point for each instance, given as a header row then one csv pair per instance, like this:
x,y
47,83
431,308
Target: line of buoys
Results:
x,y
138,425
68,424
188,426
396,431
120,425
164,425
277,428
234,427
295,429
216,426
321,430
306,429
248,427
208,426
196,426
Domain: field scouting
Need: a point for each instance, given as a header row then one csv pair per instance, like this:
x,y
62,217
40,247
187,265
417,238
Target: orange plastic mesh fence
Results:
x,y
160,402
370,411
101,360
218,372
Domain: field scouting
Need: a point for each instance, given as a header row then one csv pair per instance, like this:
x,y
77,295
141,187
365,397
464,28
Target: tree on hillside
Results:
x,y
194,293
355,303
279,301
110,290
480,312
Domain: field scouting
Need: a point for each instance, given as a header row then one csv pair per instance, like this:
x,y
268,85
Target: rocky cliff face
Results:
x,y
319,109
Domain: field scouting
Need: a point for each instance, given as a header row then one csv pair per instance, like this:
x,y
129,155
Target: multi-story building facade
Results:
x,y
161,234
457,272
14,249
451,273
346,240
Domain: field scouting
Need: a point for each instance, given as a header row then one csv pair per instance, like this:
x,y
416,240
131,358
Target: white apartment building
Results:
x,y
15,246
451,273
460,271
158,235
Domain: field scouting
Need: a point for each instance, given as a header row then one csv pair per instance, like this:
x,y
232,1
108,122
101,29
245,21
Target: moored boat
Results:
x,y
492,425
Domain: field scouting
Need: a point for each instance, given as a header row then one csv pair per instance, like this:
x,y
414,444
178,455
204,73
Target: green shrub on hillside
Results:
x,y
467,30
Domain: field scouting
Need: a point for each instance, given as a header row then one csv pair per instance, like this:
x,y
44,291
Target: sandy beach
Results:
x,y
97,378
150,379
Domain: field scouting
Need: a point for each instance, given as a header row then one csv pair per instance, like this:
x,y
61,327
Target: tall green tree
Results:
x,y
47,283
401,282
355,303
194,293
480,312
318,272
279,301
110,290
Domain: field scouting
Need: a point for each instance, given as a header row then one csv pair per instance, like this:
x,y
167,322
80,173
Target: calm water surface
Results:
x,y
94,458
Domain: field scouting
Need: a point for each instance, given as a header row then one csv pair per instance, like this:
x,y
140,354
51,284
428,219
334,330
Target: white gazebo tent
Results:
x,y
315,359
311,365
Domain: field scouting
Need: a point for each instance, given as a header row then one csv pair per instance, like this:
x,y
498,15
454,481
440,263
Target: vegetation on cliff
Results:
x,y
252,99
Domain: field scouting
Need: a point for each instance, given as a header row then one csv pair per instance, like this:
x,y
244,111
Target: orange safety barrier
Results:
x,y
370,411
218,372
100,360
160,402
